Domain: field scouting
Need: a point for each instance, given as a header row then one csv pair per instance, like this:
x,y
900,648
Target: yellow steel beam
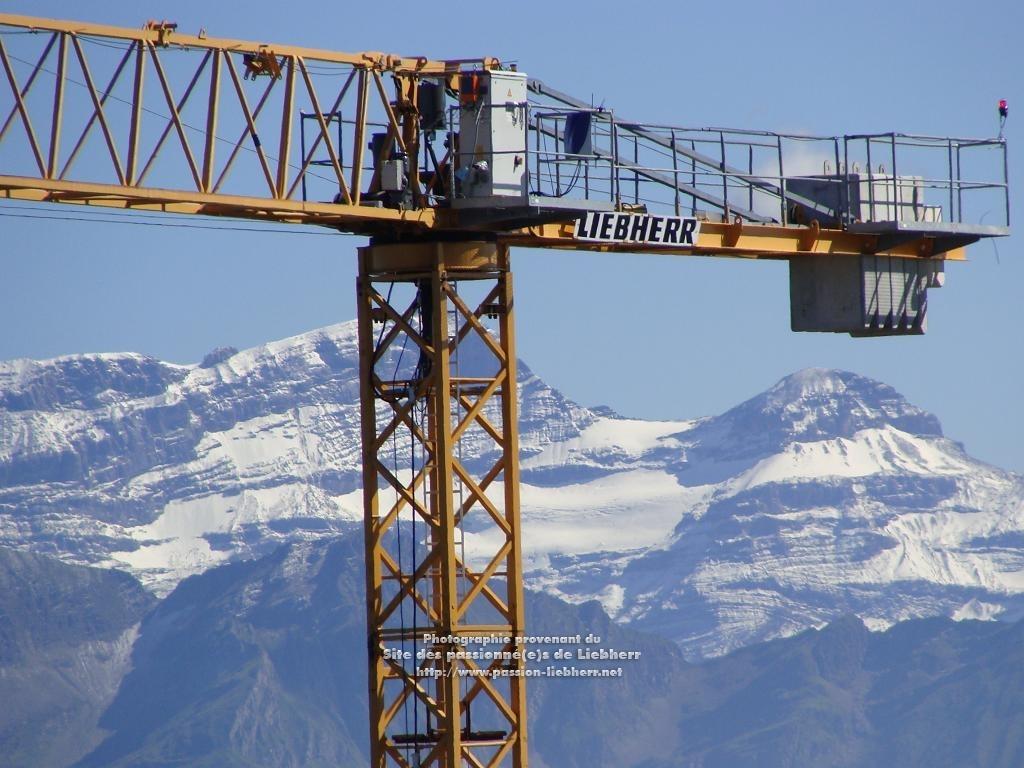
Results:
x,y
757,241
350,218
746,240
161,37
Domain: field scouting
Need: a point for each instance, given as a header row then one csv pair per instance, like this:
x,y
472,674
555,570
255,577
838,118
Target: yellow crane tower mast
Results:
x,y
444,165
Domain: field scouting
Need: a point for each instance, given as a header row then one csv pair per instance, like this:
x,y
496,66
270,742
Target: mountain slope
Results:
x,y
827,494
66,634
261,664
166,470
924,693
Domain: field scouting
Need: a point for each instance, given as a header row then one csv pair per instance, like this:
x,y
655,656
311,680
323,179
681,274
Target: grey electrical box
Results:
x,y
862,196
392,176
861,295
492,139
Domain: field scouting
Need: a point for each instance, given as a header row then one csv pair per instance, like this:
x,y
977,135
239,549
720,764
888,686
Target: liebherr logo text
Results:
x,y
637,228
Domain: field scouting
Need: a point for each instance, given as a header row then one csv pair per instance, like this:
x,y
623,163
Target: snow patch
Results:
x,y
977,610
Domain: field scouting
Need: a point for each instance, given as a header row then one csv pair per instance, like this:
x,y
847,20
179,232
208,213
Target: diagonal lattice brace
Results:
x,y
385,342
481,579
397,574
402,416
473,320
485,482
482,498
407,585
399,320
477,408
483,421
28,85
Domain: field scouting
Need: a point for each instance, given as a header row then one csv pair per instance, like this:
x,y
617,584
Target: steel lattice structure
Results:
x,y
490,601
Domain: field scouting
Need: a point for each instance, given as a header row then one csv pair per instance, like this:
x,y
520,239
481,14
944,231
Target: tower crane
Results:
x,y
445,165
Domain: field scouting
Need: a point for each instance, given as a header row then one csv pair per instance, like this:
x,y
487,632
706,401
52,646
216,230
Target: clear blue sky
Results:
x,y
650,336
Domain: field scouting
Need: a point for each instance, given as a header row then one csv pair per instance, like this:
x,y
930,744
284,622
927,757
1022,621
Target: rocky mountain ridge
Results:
x,y
261,663
827,494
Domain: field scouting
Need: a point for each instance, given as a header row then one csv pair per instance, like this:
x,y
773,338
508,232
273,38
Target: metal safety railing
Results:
x,y
765,176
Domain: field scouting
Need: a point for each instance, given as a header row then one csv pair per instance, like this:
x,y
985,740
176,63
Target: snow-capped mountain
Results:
x,y
827,494
165,470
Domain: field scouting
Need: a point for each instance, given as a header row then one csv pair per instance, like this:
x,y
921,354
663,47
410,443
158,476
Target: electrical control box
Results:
x,y
491,168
